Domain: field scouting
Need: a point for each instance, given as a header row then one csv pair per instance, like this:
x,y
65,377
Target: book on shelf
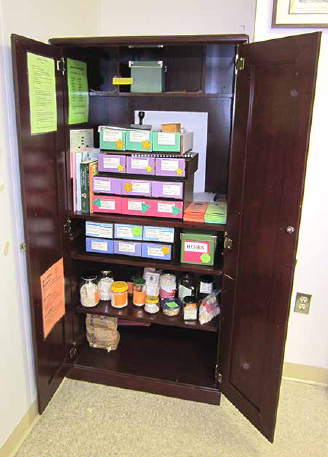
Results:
x,y
87,169
77,157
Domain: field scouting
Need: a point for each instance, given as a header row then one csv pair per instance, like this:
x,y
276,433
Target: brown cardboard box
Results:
x,y
171,128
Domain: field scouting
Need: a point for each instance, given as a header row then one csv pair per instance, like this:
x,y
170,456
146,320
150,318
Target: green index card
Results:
x,y
78,92
42,93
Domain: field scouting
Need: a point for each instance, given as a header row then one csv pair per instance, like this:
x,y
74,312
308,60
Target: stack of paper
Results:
x,y
216,213
195,212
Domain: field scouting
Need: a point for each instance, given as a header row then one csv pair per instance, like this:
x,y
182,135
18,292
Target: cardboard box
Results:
x,y
100,245
112,139
140,165
139,140
128,232
157,251
169,166
171,127
173,142
158,234
127,248
112,163
198,247
136,187
98,229
137,206
106,204
164,208
167,189
105,185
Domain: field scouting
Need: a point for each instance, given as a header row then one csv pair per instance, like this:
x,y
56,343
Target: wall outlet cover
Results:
x,y
302,303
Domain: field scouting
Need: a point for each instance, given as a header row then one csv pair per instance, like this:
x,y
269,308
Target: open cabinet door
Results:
x,y
275,91
42,173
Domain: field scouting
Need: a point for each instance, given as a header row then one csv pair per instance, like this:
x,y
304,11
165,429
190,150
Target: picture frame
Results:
x,y
300,13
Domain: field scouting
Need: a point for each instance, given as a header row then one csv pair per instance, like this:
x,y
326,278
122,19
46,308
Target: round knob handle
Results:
x,y
290,229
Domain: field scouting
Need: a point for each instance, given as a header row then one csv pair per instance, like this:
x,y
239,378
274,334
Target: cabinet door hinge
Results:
x,y
218,376
68,229
73,351
22,247
61,65
239,63
227,242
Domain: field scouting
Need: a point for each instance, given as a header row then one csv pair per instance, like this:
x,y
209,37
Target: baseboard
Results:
x,y
17,436
304,373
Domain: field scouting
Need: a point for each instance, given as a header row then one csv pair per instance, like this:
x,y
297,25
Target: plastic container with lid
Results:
x,y
89,291
152,305
139,292
119,291
206,285
105,281
190,308
171,306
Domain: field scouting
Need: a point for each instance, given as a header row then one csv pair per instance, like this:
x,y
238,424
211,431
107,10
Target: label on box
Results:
x,y
138,137
206,288
164,207
99,245
111,162
169,165
171,189
139,164
127,247
98,230
134,206
124,232
107,204
101,185
166,139
157,234
112,135
141,187
195,246
151,251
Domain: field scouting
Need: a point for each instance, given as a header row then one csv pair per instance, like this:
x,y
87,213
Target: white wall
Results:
x,y
307,341
172,17
41,20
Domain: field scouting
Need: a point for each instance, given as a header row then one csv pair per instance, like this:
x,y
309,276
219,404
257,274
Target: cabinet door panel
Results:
x,y
274,101
42,173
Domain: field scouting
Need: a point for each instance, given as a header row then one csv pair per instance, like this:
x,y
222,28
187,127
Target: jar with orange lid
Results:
x,y
119,291
139,292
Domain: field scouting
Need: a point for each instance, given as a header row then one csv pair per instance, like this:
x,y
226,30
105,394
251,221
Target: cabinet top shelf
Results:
x,y
99,93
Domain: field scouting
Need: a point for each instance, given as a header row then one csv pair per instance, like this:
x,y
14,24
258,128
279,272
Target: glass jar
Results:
x,y
130,282
167,285
139,292
119,290
105,281
206,285
186,286
152,305
89,291
190,308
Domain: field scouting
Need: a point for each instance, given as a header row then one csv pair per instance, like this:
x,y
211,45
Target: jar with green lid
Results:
x,y
139,292
152,305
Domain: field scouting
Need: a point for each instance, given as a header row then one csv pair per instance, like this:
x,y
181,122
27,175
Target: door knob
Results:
x,y
290,229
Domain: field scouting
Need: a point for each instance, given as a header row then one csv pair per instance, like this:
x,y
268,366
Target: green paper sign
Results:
x,y
205,258
42,93
175,210
78,92
136,231
144,207
97,202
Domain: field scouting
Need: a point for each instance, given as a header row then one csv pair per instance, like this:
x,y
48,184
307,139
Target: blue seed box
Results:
x,y
159,234
128,232
98,229
100,245
157,251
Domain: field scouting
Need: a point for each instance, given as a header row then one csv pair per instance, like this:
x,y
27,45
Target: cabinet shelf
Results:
x,y
99,93
140,261
134,313
177,223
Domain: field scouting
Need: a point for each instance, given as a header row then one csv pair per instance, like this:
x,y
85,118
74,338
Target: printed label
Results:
x,y
138,137
101,185
164,207
206,288
184,292
155,252
172,189
169,165
124,232
141,187
157,234
111,162
127,247
166,139
100,231
134,206
99,245
196,246
139,164
107,204
112,135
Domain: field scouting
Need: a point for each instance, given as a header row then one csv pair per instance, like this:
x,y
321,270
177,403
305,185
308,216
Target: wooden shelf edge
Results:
x,y
99,93
134,313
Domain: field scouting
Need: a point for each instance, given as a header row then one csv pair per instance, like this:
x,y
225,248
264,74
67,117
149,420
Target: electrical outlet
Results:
x,y
302,303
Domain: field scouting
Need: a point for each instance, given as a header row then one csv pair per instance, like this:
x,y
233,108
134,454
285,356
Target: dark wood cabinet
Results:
x,y
259,100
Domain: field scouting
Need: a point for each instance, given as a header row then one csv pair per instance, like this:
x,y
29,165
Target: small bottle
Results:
x,y
105,281
139,292
186,285
89,291
206,285
152,305
190,308
132,277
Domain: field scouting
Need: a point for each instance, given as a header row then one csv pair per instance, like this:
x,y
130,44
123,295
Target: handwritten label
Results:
x,y
164,207
157,234
99,231
99,245
196,246
139,164
155,252
124,232
112,135
166,139
111,162
169,164
100,184
127,247
138,137
172,189
107,204
134,206
141,187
